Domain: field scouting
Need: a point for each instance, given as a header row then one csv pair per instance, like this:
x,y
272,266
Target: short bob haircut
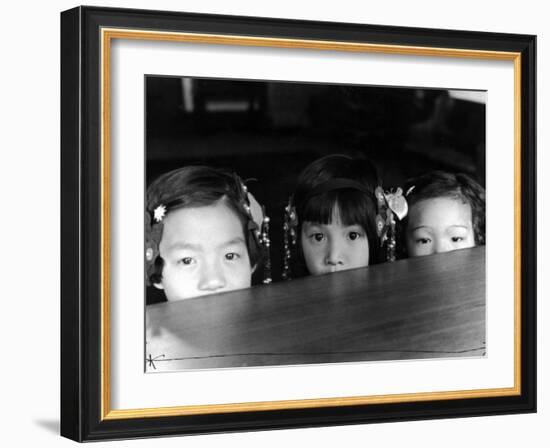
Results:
x,y
354,205
437,184
196,186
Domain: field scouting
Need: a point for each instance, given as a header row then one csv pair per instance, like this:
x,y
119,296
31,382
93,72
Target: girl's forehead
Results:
x,y
442,202
204,221
441,209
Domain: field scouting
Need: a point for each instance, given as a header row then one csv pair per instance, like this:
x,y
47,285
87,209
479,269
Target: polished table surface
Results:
x,y
427,307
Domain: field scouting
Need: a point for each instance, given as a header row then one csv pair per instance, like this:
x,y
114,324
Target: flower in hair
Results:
x,y
397,203
380,197
380,225
258,224
291,216
254,210
159,213
391,204
153,235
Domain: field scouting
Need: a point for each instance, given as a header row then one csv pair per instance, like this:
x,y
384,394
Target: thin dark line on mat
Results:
x,y
152,361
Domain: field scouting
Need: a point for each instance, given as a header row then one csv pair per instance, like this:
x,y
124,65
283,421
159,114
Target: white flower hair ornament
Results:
x,y
391,205
153,233
159,213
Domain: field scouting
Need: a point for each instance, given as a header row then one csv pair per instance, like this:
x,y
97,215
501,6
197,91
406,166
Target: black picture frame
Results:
x,y
84,410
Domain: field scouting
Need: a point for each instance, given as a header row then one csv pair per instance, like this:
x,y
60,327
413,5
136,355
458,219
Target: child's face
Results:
x,y
334,247
204,252
439,225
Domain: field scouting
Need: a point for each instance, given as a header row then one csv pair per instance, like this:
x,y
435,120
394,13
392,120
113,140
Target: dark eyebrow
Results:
x,y
182,246
237,240
197,247
420,227
429,227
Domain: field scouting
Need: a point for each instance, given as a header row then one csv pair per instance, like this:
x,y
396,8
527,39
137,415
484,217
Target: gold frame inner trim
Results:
x,y
107,35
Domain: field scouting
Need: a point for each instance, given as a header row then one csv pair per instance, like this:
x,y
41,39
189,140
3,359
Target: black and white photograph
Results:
x,y
275,223
299,223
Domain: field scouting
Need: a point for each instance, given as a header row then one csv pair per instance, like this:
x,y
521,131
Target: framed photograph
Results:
x,y
276,224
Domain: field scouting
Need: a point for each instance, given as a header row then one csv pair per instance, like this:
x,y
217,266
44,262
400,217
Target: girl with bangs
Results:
x,y
331,219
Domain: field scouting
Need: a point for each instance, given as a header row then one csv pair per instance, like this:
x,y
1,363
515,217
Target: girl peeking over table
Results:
x,y
446,212
339,218
204,233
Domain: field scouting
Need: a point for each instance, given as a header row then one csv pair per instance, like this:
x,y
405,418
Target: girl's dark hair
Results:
x,y
355,204
196,186
437,184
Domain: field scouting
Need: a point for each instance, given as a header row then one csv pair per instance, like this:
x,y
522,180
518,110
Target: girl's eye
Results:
x,y
318,237
187,261
423,241
231,256
457,239
354,235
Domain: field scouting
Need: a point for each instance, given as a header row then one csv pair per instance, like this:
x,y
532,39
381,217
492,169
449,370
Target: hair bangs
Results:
x,y
355,207
319,208
350,207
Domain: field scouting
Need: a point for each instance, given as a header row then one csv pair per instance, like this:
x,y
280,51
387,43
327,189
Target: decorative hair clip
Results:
x,y
391,204
266,243
259,225
153,233
290,224
159,213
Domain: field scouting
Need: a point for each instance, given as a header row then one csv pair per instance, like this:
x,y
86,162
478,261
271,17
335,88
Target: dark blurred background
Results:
x,y
270,131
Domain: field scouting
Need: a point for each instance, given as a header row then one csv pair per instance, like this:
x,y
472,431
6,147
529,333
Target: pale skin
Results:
x,y
204,252
439,225
334,247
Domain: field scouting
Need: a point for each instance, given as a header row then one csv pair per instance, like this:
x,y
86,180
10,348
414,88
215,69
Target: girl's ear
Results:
x,y
158,285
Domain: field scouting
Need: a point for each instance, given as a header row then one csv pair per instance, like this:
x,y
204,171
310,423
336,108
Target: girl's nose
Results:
x,y
442,245
212,278
335,254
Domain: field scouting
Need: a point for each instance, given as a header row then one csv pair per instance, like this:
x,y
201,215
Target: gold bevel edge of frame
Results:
x,y
105,225
253,41
305,403
517,222
107,34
